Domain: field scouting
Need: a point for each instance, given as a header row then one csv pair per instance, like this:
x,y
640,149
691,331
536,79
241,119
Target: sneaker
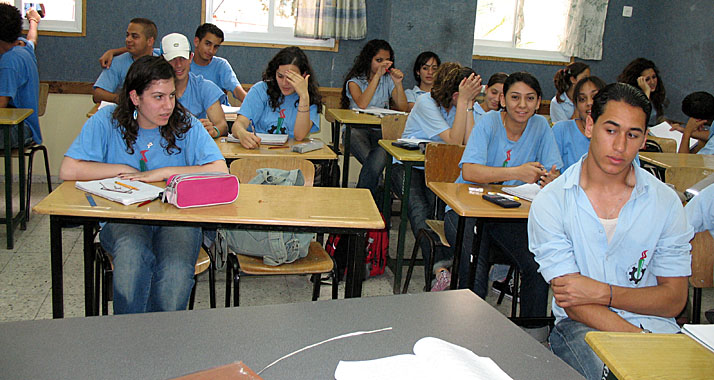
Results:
x,y
506,288
443,280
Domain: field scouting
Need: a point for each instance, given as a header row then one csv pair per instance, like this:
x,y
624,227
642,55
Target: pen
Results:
x,y
125,185
146,202
253,125
90,199
279,147
510,197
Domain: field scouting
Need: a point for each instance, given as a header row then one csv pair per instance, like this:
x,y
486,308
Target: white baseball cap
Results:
x,y
175,45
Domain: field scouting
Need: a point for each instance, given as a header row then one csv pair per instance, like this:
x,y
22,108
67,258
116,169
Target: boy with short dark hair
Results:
x,y
216,69
699,107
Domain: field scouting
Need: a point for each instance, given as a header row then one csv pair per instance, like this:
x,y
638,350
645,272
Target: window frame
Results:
x,y
76,28
275,37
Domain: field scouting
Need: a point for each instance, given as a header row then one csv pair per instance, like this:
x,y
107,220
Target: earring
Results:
x,y
135,115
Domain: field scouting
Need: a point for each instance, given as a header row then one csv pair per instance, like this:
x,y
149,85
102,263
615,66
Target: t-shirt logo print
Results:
x,y
508,158
638,271
280,128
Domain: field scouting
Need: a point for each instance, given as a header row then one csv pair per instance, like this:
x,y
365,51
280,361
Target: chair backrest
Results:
x,y
702,260
667,145
441,162
245,168
393,126
44,93
684,177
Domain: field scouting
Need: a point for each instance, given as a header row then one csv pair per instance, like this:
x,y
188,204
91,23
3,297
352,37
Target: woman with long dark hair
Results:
x,y
425,66
644,74
147,137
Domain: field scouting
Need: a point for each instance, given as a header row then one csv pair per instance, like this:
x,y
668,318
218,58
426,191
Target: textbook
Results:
x,y
120,190
265,139
702,334
379,112
527,191
662,130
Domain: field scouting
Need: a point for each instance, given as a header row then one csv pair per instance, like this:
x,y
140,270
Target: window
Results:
x,y
263,22
522,29
62,17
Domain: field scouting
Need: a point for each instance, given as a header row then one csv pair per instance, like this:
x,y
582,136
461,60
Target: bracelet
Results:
x,y
470,109
307,110
610,302
218,132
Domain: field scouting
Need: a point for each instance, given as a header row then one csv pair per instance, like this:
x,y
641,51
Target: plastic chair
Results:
x,y
317,261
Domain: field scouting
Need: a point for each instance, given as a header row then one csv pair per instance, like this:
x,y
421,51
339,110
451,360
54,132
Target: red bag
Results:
x,y
376,247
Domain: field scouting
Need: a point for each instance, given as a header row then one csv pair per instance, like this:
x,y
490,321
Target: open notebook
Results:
x,y
663,130
526,191
265,139
115,190
379,111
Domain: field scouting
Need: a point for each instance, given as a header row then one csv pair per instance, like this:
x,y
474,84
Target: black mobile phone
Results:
x,y
405,145
501,201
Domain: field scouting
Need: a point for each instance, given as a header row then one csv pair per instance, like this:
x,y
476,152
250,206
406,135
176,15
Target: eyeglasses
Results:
x,y
115,188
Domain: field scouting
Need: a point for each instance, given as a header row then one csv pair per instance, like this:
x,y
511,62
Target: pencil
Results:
x,y
125,185
279,147
146,202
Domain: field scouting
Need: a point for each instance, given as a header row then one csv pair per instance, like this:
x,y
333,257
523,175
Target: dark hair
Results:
x,y
208,28
10,23
446,82
620,92
634,70
421,60
699,105
142,73
497,78
363,64
292,55
562,77
525,77
150,30
597,82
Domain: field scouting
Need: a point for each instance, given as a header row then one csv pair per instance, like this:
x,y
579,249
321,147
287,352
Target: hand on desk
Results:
x,y
574,289
247,139
147,176
209,127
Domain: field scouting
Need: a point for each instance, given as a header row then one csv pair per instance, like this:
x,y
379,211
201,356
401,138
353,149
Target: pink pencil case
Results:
x,y
201,189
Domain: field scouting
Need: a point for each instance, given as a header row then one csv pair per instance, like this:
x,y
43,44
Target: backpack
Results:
x,y
376,247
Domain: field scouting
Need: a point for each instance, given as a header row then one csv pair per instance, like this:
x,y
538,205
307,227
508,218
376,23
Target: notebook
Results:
x,y
663,130
702,334
526,191
115,190
378,111
265,139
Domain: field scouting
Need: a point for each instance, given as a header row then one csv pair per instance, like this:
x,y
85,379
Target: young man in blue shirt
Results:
x,y
19,81
140,37
198,95
216,69
612,240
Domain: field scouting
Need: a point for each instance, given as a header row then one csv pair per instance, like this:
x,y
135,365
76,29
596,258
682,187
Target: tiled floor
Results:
x,y
25,277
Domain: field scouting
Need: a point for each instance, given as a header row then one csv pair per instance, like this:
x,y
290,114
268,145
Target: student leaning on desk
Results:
x,y
146,137
612,240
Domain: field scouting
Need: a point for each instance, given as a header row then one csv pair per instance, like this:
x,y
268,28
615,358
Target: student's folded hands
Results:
x,y
548,177
574,289
530,172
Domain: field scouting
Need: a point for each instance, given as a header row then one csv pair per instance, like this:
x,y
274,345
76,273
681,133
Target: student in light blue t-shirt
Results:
x,y
511,147
570,134
372,82
700,215
492,96
562,106
444,115
425,65
218,70
200,96
286,101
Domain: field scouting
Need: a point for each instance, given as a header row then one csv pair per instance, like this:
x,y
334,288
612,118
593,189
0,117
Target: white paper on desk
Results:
x,y
433,359
145,192
527,191
265,139
104,104
379,111
663,130
414,141
230,109
703,334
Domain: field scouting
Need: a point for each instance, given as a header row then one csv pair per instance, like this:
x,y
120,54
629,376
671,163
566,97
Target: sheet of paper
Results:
x,y
379,111
104,104
526,191
114,190
703,334
663,130
414,141
230,109
433,358
265,139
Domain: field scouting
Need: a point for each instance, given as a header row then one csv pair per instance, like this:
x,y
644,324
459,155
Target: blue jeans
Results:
x,y
153,265
512,240
567,340
14,136
364,145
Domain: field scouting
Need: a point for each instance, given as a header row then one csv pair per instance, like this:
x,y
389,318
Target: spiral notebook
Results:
x,y
265,139
120,190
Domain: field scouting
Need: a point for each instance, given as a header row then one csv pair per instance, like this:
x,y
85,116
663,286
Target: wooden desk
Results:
x,y
92,111
295,208
466,205
10,117
409,158
349,119
668,160
652,356
170,344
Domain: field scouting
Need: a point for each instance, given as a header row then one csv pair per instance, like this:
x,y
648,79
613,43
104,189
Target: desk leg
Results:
x,y
336,137
21,173
387,198
90,309
402,227
8,188
346,157
56,265
355,265
457,252
475,251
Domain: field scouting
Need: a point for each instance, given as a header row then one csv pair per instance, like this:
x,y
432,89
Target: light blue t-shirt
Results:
x,y
651,239
381,96
700,210
20,82
561,111
488,145
572,143
709,147
478,112
218,71
413,93
101,141
427,120
256,107
111,79
200,94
